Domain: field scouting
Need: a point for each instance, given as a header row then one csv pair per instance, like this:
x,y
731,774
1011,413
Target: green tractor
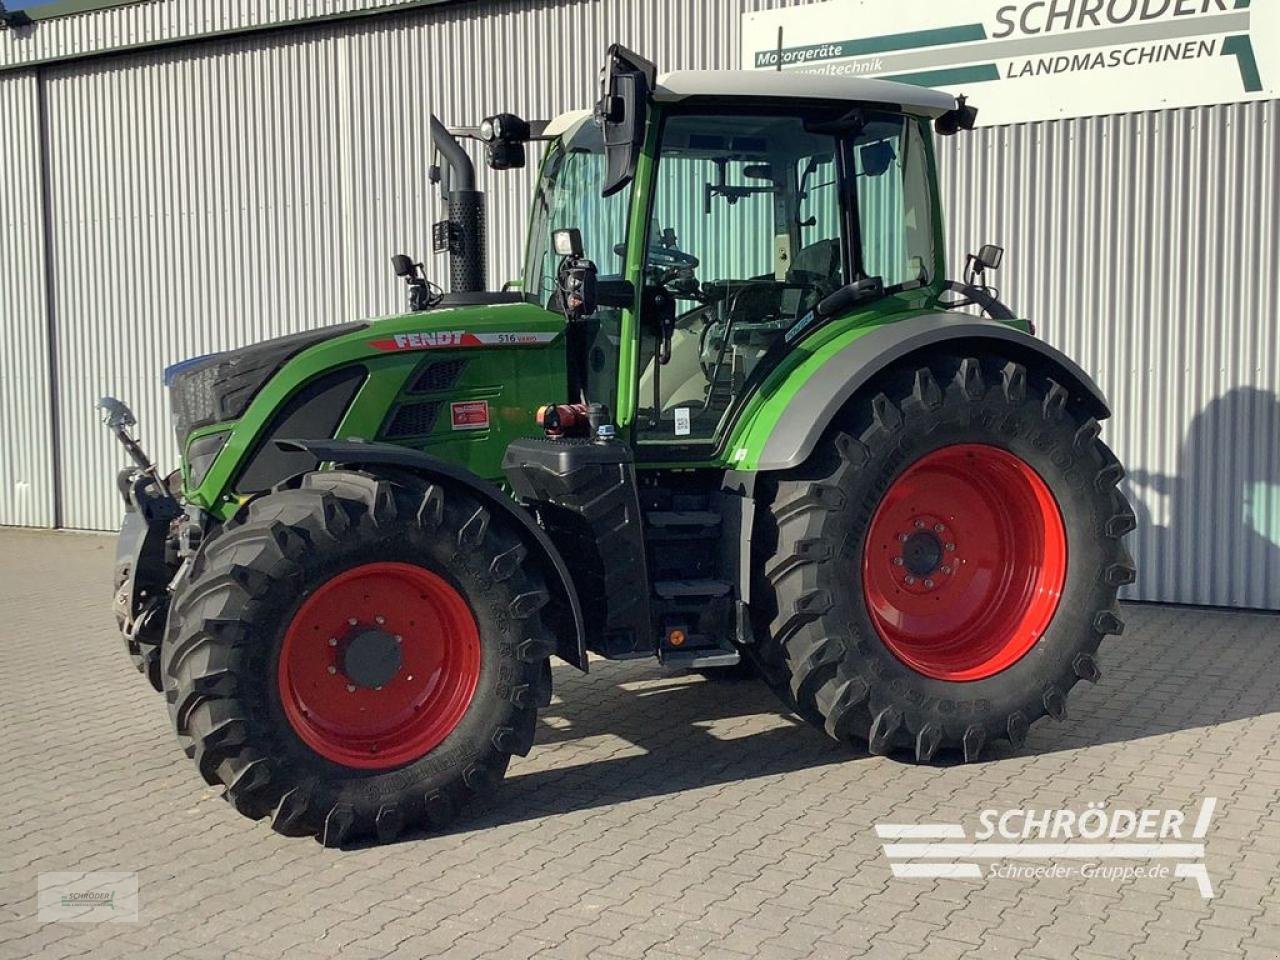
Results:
x,y
733,416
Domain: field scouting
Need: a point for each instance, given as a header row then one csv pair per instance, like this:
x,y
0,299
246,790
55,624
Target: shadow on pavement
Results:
x,y
1174,669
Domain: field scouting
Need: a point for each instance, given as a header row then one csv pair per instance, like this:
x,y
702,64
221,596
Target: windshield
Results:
x,y
568,195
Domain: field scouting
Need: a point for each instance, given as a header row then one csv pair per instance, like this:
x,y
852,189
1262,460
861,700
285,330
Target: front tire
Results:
x,y
358,655
940,574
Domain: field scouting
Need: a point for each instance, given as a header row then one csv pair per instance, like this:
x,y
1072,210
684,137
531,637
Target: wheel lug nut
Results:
x,y
938,528
910,580
399,639
929,584
902,538
946,569
379,619
333,641
951,546
351,688
332,671
351,621
919,524
897,561
377,688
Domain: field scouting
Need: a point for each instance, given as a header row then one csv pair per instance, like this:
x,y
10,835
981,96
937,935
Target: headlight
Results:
x,y
488,129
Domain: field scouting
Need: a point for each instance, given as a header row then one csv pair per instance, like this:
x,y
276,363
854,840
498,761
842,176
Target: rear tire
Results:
x,y
280,708
823,561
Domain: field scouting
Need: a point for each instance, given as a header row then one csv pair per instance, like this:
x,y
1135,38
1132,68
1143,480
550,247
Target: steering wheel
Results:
x,y
670,258
671,267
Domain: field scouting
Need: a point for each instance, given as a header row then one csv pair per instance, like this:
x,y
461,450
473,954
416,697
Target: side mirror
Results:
x,y
963,117
990,255
403,265
621,113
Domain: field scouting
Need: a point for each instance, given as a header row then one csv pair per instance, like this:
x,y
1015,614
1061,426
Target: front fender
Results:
x,y
791,438
357,453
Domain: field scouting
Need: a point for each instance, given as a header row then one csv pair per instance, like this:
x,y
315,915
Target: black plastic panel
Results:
x,y
314,412
585,494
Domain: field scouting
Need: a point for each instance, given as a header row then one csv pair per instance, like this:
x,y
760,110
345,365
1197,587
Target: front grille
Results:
x,y
412,419
437,376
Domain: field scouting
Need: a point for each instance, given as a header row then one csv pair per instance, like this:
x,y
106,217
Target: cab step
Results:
x,y
683,518
691,589
700,658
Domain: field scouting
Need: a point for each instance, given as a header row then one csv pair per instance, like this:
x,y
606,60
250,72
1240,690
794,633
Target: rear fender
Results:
x,y
793,437
359,454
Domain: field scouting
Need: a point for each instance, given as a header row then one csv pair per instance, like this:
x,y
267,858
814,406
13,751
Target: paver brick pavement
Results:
x,y
659,815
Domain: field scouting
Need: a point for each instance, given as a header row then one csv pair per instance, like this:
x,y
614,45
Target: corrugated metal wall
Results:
x,y
150,22
1145,247
210,195
26,437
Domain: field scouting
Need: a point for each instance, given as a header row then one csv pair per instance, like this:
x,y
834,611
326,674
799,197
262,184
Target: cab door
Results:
x,y
744,238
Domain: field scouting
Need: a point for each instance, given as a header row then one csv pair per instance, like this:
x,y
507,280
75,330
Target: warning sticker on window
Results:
x,y
682,421
470,414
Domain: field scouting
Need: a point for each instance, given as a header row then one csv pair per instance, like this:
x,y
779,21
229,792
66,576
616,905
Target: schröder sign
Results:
x,y
1039,59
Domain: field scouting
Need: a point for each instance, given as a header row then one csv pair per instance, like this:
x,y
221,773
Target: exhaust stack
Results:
x,y
462,232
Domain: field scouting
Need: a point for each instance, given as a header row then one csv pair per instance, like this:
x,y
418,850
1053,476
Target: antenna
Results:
x,y
779,49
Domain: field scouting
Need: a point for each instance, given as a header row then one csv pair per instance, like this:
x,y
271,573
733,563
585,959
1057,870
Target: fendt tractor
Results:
x,y
732,416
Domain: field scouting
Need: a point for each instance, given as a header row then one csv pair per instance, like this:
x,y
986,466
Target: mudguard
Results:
x,y
359,453
807,416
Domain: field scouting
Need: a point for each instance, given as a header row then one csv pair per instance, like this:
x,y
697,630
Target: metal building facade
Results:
x,y
213,192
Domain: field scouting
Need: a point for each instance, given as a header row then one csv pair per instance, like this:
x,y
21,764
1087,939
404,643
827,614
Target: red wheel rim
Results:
x,y
964,562
379,665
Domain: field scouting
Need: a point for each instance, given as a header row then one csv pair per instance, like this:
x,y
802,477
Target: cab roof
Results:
x,y
792,85
796,85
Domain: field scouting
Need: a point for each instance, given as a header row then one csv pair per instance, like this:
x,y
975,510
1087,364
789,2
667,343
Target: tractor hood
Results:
x,y
455,381
218,387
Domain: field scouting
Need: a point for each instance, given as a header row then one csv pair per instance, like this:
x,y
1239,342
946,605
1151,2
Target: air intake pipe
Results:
x,y
462,232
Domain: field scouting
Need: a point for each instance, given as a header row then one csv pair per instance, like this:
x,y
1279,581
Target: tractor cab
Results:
x,y
745,210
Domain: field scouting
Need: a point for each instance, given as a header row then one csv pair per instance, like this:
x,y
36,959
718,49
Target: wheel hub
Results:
x,y
370,658
922,553
964,562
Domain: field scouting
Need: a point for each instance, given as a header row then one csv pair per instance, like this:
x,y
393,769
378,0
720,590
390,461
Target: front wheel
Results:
x,y
358,655
941,573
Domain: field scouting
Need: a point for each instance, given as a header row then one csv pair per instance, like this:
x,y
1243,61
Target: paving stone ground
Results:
x,y
659,816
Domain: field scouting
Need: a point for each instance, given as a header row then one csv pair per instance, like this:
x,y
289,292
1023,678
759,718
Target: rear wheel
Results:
x,y
941,572
358,655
